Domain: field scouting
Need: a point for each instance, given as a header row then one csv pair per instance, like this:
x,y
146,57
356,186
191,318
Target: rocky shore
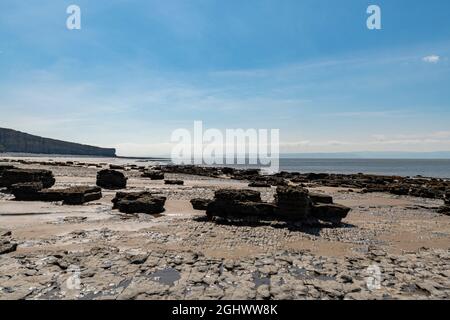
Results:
x,y
98,230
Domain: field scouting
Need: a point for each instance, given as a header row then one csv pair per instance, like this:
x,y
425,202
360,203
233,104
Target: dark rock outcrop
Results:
x,y
292,204
239,204
75,195
259,184
6,246
6,243
5,232
14,176
27,191
174,182
16,141
139,202
111,179
33,191
320,198
236,210
333,213
153,174
4,167
237,195
417,186
116,167
200,204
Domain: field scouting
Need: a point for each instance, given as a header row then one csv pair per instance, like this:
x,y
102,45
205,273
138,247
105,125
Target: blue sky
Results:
x,y
137,70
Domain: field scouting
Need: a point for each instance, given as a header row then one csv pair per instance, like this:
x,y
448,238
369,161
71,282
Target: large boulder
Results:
x,y
128,196
153,174
27,191
139,202
293,203
399,189
259,184
240,209
333,213
33,191
77,195
200,204
320,198
14,176
111,179
238,204
237,195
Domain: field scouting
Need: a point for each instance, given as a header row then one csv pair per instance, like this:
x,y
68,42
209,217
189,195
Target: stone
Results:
x,y
200,204
116,167
80,195
71,196
240,209
317,176
27,191
7,247
333,213
139,203
111,179
174,182
14,176
237,195
138,258
399,189
259,184
444,210
153,175
293,203
239,204
130,196
5,232
320,198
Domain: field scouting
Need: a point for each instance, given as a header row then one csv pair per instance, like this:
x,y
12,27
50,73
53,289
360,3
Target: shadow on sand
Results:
x,y
312,227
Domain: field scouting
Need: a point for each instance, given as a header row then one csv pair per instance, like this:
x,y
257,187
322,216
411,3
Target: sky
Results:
x,y
138,70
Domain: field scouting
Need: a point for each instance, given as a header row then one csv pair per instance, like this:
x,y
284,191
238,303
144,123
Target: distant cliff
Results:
x,y
16,141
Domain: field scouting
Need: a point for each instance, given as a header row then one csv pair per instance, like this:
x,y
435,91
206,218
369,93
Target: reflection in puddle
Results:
x,y
166,276
301,273
260,280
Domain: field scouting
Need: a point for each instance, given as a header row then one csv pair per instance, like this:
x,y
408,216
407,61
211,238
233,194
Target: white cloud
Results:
x,y
431,58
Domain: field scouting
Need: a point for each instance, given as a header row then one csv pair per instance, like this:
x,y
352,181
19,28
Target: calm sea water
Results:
x,y
402,167
438,168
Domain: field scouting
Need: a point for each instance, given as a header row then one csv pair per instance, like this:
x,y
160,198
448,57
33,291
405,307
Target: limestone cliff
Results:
x,y
16,141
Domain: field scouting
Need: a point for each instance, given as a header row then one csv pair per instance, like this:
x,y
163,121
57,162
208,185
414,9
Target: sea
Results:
x,y
436,168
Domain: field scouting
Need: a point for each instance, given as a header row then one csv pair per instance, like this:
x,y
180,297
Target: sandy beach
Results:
x,y
179,254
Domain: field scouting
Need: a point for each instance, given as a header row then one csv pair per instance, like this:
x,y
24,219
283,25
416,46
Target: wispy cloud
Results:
x,y
371,114
432,58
